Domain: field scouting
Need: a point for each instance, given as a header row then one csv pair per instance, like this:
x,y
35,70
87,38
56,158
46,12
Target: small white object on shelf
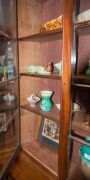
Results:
x,y
84,16
33,99
58,106
76,107
9,98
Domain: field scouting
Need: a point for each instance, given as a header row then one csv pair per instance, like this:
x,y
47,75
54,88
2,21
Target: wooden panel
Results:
x,y
43,155
29,53
44,36
24,168
29,17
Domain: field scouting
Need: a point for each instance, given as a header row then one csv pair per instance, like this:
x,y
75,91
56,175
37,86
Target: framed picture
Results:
x,y
48,132
3,122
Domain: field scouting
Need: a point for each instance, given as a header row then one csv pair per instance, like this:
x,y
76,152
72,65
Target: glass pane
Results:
x,y
9,101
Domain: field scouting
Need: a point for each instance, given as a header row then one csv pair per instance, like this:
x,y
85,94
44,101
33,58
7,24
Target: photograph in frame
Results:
x,y
49,132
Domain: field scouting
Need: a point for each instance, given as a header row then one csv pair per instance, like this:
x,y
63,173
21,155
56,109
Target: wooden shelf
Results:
x,y
8,80
9,120
80,124
55,34
83,27
3,91
4,33
54,114
44,156
81,80
7,106
52,76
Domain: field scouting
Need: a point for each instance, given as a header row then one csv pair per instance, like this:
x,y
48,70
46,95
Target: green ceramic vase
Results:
x,y
46,102
85,157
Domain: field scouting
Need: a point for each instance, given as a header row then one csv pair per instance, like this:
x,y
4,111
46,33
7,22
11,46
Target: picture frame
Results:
x,y
3,122
47,131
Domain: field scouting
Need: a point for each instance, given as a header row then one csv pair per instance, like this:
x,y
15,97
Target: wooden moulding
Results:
x,y
83,27
42,155
54,114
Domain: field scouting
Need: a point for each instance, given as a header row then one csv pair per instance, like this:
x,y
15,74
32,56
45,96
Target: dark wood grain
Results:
x,y
54,114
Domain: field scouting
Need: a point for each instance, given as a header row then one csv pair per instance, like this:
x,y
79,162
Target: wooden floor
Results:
x,y
24,169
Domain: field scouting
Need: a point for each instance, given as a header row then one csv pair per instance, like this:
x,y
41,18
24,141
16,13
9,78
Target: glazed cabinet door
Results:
x,y
80,119
9,88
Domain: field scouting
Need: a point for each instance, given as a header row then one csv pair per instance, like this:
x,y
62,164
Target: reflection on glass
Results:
x,y
8,62
9,135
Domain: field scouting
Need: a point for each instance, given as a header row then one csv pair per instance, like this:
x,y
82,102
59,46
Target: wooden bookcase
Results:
x,y
64,45
37,48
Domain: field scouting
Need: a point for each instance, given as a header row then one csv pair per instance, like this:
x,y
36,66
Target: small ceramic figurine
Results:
x,y
33,99
9,97
41,69
58,66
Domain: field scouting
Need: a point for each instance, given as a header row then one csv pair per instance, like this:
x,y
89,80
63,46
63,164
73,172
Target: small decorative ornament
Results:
x,y
33,100
58,66
9,98
41,69
46,102
76,107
